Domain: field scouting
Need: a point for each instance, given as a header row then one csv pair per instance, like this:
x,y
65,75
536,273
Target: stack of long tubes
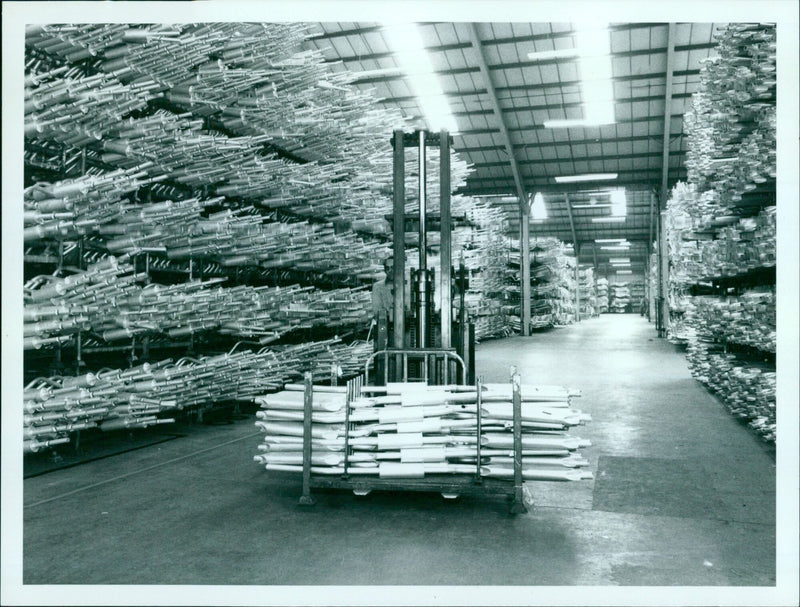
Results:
x,y
747,244
602,295
553,282
77,207
93,205
108,300
748,319
77,110
412,430
747,387
587,292
725,152
112,399
276,94
620,297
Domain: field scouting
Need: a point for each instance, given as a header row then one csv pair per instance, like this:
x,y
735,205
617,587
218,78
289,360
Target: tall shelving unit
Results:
x,y
721,228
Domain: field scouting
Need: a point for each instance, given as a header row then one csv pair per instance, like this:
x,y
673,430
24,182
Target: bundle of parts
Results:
x,y
587,293
602,295
746,386
620,298
113,399
278,127
108,301
748,319
413,430
553,284
731,129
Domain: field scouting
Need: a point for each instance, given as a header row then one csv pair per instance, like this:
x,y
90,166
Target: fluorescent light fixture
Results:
x,y
586,177
620,260
619,240
619,203
608,219
538,210
615,248
591,206
405,41
537,220
569,123
554,54
624,272
593,45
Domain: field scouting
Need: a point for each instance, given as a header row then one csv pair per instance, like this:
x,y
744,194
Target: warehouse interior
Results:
x,y
430,303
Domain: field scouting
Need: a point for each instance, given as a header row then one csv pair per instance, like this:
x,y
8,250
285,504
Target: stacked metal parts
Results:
x,y
588,293
485,258
620,301
111,301
553,282
411,430
478,241
188,187
602,295
114,399
721,227
637,291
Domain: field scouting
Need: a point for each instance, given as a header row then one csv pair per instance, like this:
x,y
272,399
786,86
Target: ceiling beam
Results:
x,y
507,188
608,158
512,161
553,144
639,176
571,221
539,127
667,110
530,63
621,55
576,83
561,106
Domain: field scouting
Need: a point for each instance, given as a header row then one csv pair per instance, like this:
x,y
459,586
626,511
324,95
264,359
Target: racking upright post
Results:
x,y
305,498
445,251
663,278
422,273
518,503
398,244
525,265
577,282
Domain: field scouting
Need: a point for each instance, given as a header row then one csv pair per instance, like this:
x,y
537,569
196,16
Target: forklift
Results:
x,y
420,343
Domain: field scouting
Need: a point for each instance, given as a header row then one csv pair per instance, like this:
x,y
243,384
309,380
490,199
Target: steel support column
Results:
x,y
445,251
422,275
398,240
652,215
663,262
667,113
577,284
525,267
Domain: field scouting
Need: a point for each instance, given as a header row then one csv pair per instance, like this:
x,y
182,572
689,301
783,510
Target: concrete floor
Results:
x,y
684,495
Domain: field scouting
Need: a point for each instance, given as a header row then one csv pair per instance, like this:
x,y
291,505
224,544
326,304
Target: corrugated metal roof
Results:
x,y
530,92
